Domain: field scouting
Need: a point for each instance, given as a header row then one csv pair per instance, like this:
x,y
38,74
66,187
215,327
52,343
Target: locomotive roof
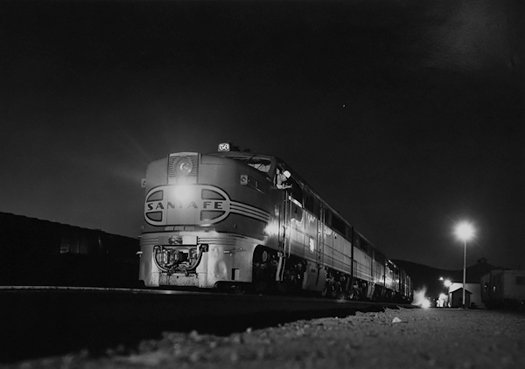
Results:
x,y
241,154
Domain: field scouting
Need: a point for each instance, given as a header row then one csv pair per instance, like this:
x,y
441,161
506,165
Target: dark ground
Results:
x,y
397,338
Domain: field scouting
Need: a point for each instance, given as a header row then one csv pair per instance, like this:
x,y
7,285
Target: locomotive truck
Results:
x,y
237,219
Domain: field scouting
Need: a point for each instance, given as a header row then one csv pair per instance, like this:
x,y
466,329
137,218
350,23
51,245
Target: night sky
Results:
x,y
406,116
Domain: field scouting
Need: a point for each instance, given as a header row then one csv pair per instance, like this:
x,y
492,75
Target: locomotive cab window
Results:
x,y
259,163
262,163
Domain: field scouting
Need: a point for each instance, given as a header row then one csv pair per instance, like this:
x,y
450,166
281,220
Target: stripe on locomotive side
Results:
x,y
249,211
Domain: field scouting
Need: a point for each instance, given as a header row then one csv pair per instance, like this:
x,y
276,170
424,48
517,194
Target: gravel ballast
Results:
x,y
396,338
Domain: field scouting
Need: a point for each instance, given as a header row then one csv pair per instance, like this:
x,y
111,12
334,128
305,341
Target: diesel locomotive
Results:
x,y
236,219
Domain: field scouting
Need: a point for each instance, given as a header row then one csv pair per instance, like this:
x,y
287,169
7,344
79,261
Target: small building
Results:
x,y
503,288
472,295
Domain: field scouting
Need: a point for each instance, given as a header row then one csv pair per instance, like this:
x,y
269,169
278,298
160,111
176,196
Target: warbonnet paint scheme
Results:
x,y
240,219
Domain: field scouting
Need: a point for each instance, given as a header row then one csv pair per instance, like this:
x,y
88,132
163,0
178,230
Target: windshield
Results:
x,y
260,163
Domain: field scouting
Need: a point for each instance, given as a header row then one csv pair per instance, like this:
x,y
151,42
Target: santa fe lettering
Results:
x,y
154,206
212,205
216,205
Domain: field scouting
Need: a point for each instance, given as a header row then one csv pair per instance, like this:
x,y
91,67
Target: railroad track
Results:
x,y
43,321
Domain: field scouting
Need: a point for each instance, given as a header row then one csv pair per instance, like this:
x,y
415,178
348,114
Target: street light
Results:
x,y
464,231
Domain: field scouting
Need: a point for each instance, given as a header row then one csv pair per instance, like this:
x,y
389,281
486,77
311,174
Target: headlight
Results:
x,y
183,166
183,193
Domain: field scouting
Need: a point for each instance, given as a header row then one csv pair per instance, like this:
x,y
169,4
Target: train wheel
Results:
x,y
338,289
329,291
332,291
324,292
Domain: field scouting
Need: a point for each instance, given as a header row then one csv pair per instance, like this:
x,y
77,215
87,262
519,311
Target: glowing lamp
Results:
x,y
183,193
464,231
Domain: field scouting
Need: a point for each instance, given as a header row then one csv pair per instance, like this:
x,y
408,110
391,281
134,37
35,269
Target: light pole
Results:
x,y
464,231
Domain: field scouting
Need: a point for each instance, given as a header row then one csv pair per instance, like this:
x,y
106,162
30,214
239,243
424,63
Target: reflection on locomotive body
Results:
x,y
239,219
43,253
